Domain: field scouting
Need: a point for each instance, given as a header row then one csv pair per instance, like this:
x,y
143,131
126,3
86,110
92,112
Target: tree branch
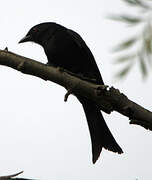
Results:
x,y
107,99
11,177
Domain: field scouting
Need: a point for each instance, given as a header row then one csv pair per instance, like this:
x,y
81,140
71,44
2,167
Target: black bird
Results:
x,y
65,48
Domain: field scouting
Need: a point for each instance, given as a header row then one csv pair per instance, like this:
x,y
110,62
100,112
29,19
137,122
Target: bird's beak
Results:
x,y
25,39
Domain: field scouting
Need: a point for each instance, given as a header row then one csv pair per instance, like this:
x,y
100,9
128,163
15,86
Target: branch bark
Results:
x,y
108,99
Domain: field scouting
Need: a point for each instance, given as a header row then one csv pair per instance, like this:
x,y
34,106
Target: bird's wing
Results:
x,y
81,44
76,37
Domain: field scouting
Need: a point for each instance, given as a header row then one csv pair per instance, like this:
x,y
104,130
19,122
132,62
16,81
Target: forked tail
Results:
x,y
99,131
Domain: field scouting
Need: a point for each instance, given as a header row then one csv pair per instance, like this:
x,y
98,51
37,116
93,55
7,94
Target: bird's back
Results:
x,y
67,49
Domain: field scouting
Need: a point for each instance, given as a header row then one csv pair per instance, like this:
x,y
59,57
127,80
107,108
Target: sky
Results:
x,y
40,133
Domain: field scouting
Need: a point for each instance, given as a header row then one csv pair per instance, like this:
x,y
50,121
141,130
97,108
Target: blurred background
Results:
x,y
48,138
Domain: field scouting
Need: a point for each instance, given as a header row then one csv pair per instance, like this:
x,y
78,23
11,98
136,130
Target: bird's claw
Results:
x,y
6,49
100,89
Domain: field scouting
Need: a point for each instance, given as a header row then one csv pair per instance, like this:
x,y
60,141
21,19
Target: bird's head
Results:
x,y
39,33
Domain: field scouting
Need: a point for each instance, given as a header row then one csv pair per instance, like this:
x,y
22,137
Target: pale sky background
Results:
x,y
40,133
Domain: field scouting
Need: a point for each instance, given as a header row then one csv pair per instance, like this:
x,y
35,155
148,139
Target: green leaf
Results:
x,y
148,45
139,3
124,71
124,45
126,18
142,4
131,2
142,65
125,58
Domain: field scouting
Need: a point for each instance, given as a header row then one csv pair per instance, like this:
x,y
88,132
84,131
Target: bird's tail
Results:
x,y
99,131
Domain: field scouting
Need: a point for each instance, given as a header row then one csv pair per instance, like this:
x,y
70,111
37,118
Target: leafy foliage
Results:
x,y
143,52
124,71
